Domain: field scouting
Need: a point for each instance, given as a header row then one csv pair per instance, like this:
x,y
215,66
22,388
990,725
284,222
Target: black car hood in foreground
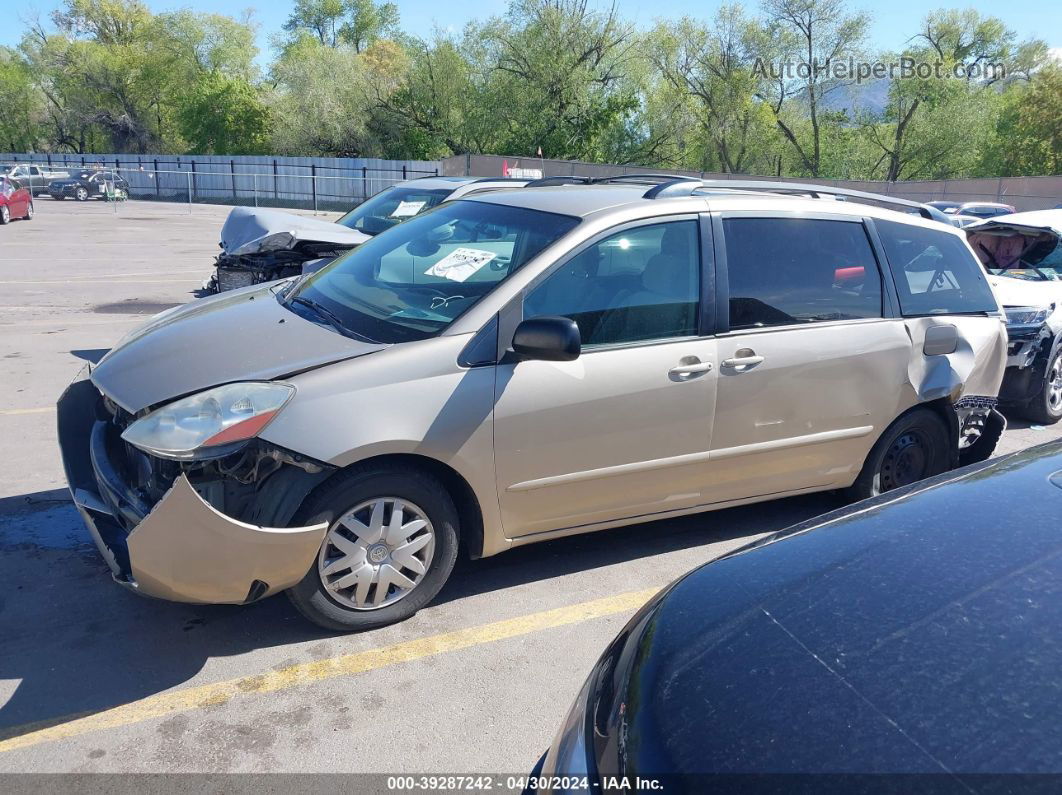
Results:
x,y
916,634
244,335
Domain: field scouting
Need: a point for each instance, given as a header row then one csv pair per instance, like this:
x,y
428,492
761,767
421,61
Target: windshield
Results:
x,y
1026,256
413,281
392,206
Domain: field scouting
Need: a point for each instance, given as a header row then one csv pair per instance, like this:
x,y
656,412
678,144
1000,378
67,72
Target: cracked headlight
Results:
x,y
209,423
1027,315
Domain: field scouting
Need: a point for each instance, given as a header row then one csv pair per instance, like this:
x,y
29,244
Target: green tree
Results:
x,y
714,67
22,117
357,23
115,76
817,34
224,115
935,126
1027,140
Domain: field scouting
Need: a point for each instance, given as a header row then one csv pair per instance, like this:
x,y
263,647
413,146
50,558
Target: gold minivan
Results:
x,y
525,365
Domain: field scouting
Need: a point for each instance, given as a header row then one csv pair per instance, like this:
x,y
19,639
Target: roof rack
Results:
x,y
580,179
688,187
498,179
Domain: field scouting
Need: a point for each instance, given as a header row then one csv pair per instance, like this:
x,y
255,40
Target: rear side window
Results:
x,y
935,272
785,271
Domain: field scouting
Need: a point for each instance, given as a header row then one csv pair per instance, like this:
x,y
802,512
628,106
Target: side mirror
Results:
x,y
548,339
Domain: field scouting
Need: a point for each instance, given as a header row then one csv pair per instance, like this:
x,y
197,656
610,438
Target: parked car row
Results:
x,y
262,245
34,178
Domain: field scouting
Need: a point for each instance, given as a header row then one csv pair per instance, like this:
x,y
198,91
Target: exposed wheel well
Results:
x,y
468,510
946,411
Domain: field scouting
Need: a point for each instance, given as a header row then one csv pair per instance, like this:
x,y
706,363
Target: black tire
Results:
x,y
29,212
351,488
915,447
1046,408
5,215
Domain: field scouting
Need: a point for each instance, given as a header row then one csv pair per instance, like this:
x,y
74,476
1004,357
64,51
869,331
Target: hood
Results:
x,y
910,597
1021,292
243,335
249,230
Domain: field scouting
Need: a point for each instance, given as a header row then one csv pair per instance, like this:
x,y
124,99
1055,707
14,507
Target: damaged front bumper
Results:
x,y
181,547
1028,351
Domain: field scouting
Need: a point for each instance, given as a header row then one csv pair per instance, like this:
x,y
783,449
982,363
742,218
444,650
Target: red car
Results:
x,y
15,200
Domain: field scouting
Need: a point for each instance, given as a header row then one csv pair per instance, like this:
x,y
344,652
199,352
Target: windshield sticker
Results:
x,y
407,209
460,264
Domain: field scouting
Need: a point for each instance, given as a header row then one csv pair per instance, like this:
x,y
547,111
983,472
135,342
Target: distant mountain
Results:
x,y
872,96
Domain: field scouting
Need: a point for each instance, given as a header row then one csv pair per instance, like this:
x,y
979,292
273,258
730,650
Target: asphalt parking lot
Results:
x,y
93,678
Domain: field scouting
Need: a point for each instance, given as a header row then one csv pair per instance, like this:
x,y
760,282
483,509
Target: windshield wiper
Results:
x,y
326,313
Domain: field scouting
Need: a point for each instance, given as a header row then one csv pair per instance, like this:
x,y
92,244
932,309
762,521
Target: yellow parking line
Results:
x,y
41,410
191,698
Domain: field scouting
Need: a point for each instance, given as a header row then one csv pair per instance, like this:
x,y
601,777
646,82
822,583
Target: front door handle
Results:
x,y
688,367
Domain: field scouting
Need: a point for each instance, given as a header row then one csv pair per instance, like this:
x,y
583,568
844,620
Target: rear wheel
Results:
x,y
5,215
916,446
390,547
1046,408
81,194
29,211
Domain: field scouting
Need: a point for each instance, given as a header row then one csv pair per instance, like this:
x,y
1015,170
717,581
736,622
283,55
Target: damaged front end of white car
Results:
x,y
1022,254
263,245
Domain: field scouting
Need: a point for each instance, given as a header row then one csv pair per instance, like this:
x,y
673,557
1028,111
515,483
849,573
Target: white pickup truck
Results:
x,y
35,178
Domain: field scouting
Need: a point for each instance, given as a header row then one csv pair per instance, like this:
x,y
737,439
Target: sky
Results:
x,y
893,21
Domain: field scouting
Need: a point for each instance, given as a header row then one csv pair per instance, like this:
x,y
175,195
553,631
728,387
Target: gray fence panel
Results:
x,y
305,182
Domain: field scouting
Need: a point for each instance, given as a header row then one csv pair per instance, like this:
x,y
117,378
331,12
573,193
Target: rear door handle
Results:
x,y
742,361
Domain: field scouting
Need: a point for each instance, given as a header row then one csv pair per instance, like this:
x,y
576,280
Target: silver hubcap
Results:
x,y
1054,384
29,211
376,553
5,214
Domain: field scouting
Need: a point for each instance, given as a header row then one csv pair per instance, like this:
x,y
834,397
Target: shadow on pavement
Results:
x,y
591,551
78,644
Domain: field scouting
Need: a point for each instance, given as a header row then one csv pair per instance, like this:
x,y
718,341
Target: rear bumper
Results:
x,y
181,548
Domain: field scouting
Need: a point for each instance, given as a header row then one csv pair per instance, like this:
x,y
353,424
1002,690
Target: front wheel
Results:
x,y
5,215
29,212
915,447
82,194
1046,407
389,549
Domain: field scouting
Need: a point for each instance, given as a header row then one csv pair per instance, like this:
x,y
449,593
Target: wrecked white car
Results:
x,y
263,245
1023,256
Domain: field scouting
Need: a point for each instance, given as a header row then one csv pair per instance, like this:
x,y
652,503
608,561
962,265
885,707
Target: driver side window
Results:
x,y
638,284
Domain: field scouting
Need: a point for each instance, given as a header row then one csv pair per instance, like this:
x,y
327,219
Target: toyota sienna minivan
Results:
x,y
525,365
